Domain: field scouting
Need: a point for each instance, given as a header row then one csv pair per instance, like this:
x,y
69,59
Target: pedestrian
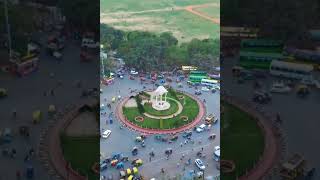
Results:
x,y
31,152
14,113
18,175
178,165
150,159
52,92
202,149
13,153
181,144
26,158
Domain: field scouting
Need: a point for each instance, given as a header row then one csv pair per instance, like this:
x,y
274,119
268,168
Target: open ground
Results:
x,y
184,19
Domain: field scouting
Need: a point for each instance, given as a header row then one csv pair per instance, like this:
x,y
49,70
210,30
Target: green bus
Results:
x,y
262,45
197,76
256,60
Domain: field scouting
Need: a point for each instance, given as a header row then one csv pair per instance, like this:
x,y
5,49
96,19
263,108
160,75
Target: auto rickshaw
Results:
x,y
180,85
114,162
130,177
168,151
302,91
52,109
122,174
158,137
174,137
119,165
129,172
134,151
138,139
236,70
6,135
137,162
212,136
135,170
3,92
24,131
36,116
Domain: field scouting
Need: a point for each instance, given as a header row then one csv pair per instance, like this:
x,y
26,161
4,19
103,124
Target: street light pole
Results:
x,y
8,26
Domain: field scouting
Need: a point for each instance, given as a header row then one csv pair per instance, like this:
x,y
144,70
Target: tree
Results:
x,y
82,14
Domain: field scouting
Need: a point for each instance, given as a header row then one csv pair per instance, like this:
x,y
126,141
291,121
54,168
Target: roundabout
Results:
x,y
245,127
175,111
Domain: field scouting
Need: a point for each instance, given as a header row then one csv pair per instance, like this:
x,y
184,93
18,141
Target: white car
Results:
x,y
217,148
205,89
106,134
216,156
280,88
133,72
200,164
200,128
308,82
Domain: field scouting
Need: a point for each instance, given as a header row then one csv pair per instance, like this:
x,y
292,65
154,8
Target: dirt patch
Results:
x,y
192,10
84,124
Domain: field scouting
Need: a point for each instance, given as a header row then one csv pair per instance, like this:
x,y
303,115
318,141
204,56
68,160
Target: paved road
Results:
x,y
26,95
123,140
300,116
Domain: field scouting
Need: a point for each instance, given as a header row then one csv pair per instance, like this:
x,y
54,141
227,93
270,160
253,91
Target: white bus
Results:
x,y
209,82
291,70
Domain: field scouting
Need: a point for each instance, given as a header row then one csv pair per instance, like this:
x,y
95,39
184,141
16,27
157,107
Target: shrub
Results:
x,y
173,93
140,106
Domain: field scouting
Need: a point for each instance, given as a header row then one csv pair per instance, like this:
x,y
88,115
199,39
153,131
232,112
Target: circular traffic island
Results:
x,y
244,142
182,113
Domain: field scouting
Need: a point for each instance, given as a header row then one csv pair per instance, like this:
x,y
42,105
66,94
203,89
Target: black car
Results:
x,y
187,134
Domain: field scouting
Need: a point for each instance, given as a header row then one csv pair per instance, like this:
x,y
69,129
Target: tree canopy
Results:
x,y
150,51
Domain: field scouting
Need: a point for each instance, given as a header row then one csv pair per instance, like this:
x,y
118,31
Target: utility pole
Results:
x,y
8,27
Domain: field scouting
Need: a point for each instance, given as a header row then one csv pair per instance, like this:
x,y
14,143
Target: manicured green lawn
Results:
x,y
190,109
243,141
173,108
82,153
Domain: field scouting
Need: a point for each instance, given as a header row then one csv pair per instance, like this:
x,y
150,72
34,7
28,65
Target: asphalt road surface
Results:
x,y
123,140
300,116
26,94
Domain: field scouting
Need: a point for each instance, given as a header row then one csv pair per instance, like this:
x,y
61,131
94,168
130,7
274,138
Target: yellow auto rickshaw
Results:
x,y
3,92
130,177
36,116
135,170
52,109
113,99
137,162
128,171
302,90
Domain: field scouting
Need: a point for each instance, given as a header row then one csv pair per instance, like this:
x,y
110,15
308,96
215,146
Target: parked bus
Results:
x,y
209,82
291,70
261,43
255,60
197,76
304,56
198,73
